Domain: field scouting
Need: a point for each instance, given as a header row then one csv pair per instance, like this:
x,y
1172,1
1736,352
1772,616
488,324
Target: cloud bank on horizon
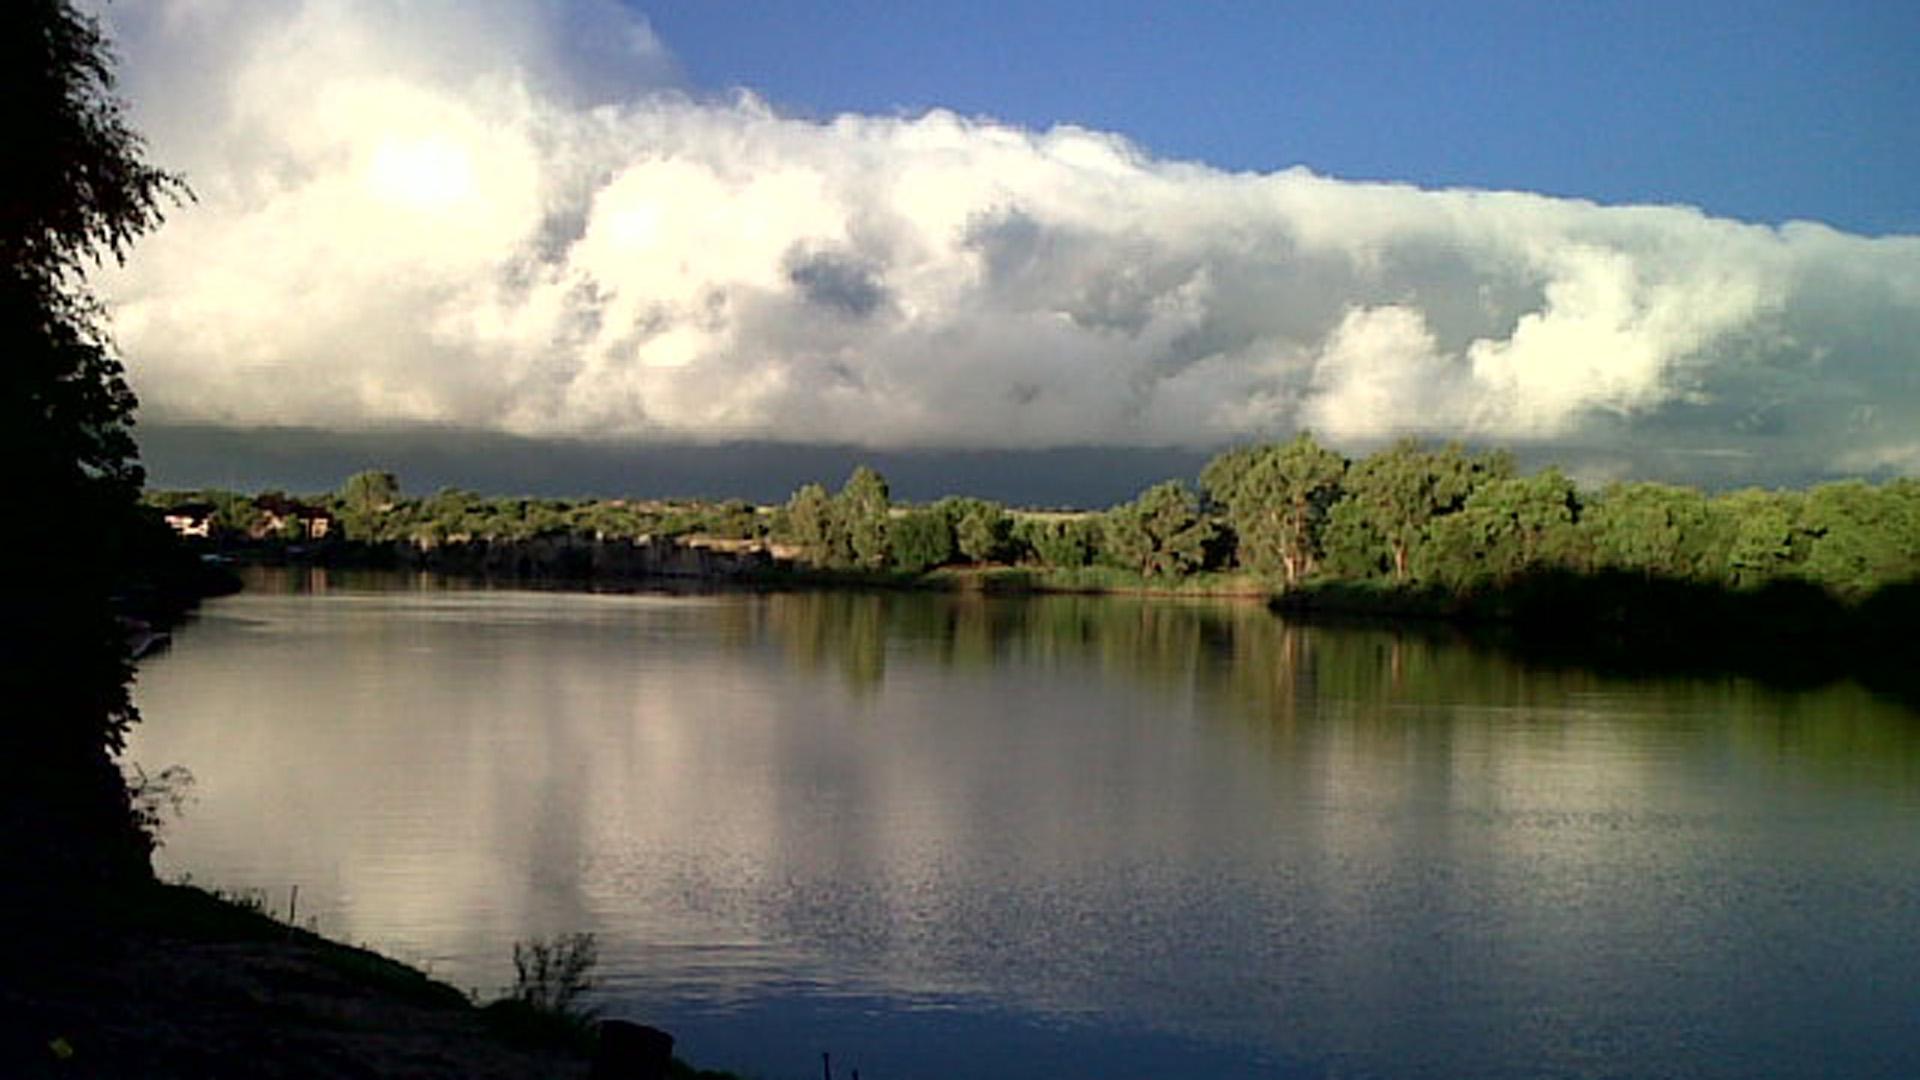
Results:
x,y
510,217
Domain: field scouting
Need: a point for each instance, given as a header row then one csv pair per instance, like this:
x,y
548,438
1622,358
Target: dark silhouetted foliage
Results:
x,y
76,190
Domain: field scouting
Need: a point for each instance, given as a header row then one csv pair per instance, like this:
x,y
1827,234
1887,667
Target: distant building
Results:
x,y
194,519
279,516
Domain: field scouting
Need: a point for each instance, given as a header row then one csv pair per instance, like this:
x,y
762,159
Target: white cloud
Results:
x,y
1382,373
503,216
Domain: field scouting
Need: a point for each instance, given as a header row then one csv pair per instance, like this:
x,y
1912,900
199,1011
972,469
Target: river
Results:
x,y
971,837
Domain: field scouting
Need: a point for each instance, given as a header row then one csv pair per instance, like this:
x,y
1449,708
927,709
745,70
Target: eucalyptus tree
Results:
x,y
1391,497
370,491
811,525
1863,536
920,539
1505,527
1765,540
1276,499
1160,534
861,509
365,500
1658,530
1060,542
983,532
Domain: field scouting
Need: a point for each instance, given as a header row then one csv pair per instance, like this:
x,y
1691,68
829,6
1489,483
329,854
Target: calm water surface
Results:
x,y
1007,838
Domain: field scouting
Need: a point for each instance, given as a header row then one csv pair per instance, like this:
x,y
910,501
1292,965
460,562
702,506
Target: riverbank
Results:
x,y
621,565
1787,633
1027,581
170,981
149,979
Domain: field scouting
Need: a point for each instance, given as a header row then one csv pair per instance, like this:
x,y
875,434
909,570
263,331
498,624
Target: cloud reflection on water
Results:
x,y
1346,845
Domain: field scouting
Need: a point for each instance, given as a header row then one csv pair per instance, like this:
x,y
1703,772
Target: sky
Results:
x,y
584,246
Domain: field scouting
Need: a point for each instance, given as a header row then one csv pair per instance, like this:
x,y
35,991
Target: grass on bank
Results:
x,y
544,1010
191,913
1021,580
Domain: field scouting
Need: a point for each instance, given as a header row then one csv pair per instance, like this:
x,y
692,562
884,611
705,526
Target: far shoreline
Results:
x,y
1787,635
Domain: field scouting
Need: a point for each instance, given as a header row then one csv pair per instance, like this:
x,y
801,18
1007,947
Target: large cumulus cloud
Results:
x,y
507,216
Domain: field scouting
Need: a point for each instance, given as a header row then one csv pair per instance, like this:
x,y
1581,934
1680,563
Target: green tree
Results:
x,y
862,508
920,540
1060,542
813,528
446,511
1276,499
1392,496
1764,538
370,492
76,190
1506,527
734,519
1864,537
366,500
983,532
1657,530
1160,534
232,511
543,517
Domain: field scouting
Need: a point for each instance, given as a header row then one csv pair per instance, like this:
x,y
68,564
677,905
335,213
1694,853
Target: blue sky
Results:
x,y
1653,241
1759,111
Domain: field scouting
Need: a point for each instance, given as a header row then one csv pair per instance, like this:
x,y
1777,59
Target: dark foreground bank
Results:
x,y
168,981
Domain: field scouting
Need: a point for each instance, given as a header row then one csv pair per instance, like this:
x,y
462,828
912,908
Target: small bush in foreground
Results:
x,y
544,1006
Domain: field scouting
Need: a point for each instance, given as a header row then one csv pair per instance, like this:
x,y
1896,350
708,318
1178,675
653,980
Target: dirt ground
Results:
x,y
210,994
